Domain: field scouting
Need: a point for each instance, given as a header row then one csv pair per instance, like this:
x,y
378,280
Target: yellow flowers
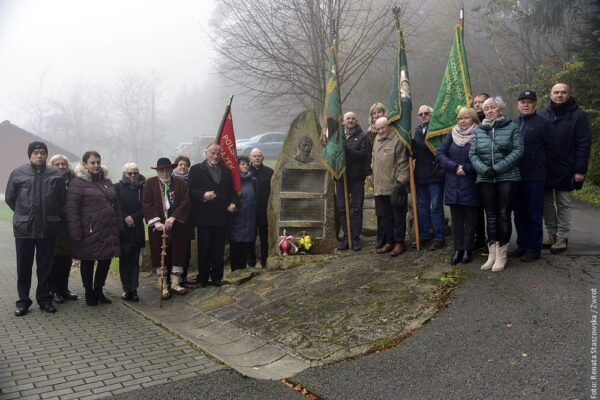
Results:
x,y
304,242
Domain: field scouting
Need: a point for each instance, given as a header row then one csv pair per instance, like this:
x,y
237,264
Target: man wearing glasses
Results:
x,y
429,179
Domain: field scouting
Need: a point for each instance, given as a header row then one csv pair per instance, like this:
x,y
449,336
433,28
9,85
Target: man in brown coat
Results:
x,y
166,206
390,176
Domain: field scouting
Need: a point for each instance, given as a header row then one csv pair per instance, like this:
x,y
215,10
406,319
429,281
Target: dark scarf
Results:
x,y
561,109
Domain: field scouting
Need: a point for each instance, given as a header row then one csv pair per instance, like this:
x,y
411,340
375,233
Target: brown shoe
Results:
x,y
437,244
385,249
399,248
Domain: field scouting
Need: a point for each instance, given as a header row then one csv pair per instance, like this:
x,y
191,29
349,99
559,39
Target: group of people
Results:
x,y
488,162
62,214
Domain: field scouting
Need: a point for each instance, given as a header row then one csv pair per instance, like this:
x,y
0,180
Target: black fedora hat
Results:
x,y
164,163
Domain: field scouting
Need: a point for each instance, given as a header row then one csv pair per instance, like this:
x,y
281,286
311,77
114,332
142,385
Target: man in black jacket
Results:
x,y
540,148
263,175
567,172
213,198
355,150
36,195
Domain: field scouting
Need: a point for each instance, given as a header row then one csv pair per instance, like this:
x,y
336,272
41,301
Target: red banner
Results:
x,y
226,140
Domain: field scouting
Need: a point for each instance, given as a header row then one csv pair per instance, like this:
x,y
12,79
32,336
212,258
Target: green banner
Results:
x,y
400,107
333,152
455,93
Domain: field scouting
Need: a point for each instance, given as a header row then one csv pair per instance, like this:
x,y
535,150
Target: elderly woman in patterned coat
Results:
x,y
94,219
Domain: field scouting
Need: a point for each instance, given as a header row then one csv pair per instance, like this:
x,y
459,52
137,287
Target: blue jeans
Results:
x,y
430,208
529,208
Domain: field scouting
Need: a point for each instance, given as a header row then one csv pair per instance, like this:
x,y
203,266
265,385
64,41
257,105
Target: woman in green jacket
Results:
x,y
495,153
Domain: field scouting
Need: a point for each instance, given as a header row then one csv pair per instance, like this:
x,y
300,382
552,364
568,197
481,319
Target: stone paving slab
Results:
x,y
81,351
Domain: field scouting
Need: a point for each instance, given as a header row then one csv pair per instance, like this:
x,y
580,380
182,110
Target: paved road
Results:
x,y
523,333
84,352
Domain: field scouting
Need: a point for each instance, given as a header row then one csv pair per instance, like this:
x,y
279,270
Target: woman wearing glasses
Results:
x,y
132,238
495,153
94,220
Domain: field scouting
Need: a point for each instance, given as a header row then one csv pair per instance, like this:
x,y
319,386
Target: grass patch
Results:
x,y
589,193
114,266
442,296
5,212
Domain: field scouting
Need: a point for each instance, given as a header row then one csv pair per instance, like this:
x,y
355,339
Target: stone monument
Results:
x,y
302,191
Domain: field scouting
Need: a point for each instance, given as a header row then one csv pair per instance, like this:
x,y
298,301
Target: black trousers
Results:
x,y
44,252
93,283
129,268
464,225
263,235
239,254
356,197
392,220
497,199
211,249
59,277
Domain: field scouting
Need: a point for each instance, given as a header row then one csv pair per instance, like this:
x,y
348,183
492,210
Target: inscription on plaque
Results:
x,y
303,180
303,210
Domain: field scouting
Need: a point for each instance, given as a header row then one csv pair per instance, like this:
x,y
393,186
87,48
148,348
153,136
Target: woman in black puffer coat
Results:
x,y
133,239
94,218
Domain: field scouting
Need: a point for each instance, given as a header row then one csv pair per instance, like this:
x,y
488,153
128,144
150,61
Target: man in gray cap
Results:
x,y
36,194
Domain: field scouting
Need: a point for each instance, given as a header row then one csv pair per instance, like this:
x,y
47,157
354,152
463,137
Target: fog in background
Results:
x,y
133,78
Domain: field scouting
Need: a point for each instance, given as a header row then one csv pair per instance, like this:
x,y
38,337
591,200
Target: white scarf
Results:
x,y
461,137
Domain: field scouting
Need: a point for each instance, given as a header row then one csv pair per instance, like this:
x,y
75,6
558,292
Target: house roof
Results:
x,y
13,149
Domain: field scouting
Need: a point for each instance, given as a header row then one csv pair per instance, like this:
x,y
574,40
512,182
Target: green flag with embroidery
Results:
x,y
455,93
400,107
333,152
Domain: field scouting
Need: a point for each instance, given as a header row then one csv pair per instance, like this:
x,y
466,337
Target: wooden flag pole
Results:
x,y
227,108
413,192
347,205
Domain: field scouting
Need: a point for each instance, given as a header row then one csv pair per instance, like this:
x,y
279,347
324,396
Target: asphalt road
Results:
x,y
525,333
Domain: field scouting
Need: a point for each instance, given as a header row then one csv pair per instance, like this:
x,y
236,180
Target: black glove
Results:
x,y
490,173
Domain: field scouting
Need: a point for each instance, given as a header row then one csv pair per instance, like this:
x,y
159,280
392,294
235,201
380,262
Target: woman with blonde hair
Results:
x,y
460,190
61,263
495,154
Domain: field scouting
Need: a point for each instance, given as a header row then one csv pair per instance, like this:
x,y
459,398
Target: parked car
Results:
x,y
183,149
270,144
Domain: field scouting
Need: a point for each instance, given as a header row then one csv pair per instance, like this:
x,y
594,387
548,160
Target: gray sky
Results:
x,y
90,40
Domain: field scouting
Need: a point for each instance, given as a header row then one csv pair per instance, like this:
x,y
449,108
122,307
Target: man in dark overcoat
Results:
x,y
213,199
263,175
166,205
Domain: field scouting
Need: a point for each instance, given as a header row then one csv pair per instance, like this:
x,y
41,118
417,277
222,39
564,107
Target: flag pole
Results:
x,y
225,114
344,174
413,191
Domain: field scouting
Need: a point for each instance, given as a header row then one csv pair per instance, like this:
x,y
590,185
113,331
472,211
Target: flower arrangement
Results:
x,y
304,241
286,244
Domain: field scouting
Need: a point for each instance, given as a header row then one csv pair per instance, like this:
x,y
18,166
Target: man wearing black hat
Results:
x,y
166,206
36,195
540,144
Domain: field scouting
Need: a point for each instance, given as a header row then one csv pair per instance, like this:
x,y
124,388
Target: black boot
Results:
x,y
100,279
468,257
458,255
87,277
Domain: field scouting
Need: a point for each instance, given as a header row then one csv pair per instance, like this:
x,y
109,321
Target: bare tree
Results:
x,y
277,49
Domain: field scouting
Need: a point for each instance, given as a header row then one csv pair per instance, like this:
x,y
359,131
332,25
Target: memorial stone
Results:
x,y
302,192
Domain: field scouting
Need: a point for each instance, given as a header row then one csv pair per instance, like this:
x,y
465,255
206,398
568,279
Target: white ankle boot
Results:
x,y
500,262
176,284
492,250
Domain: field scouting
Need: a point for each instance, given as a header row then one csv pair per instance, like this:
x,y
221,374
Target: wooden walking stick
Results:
x,y
163,254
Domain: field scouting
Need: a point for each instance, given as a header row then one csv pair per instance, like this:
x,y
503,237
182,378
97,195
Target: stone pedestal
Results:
x,y
302,192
